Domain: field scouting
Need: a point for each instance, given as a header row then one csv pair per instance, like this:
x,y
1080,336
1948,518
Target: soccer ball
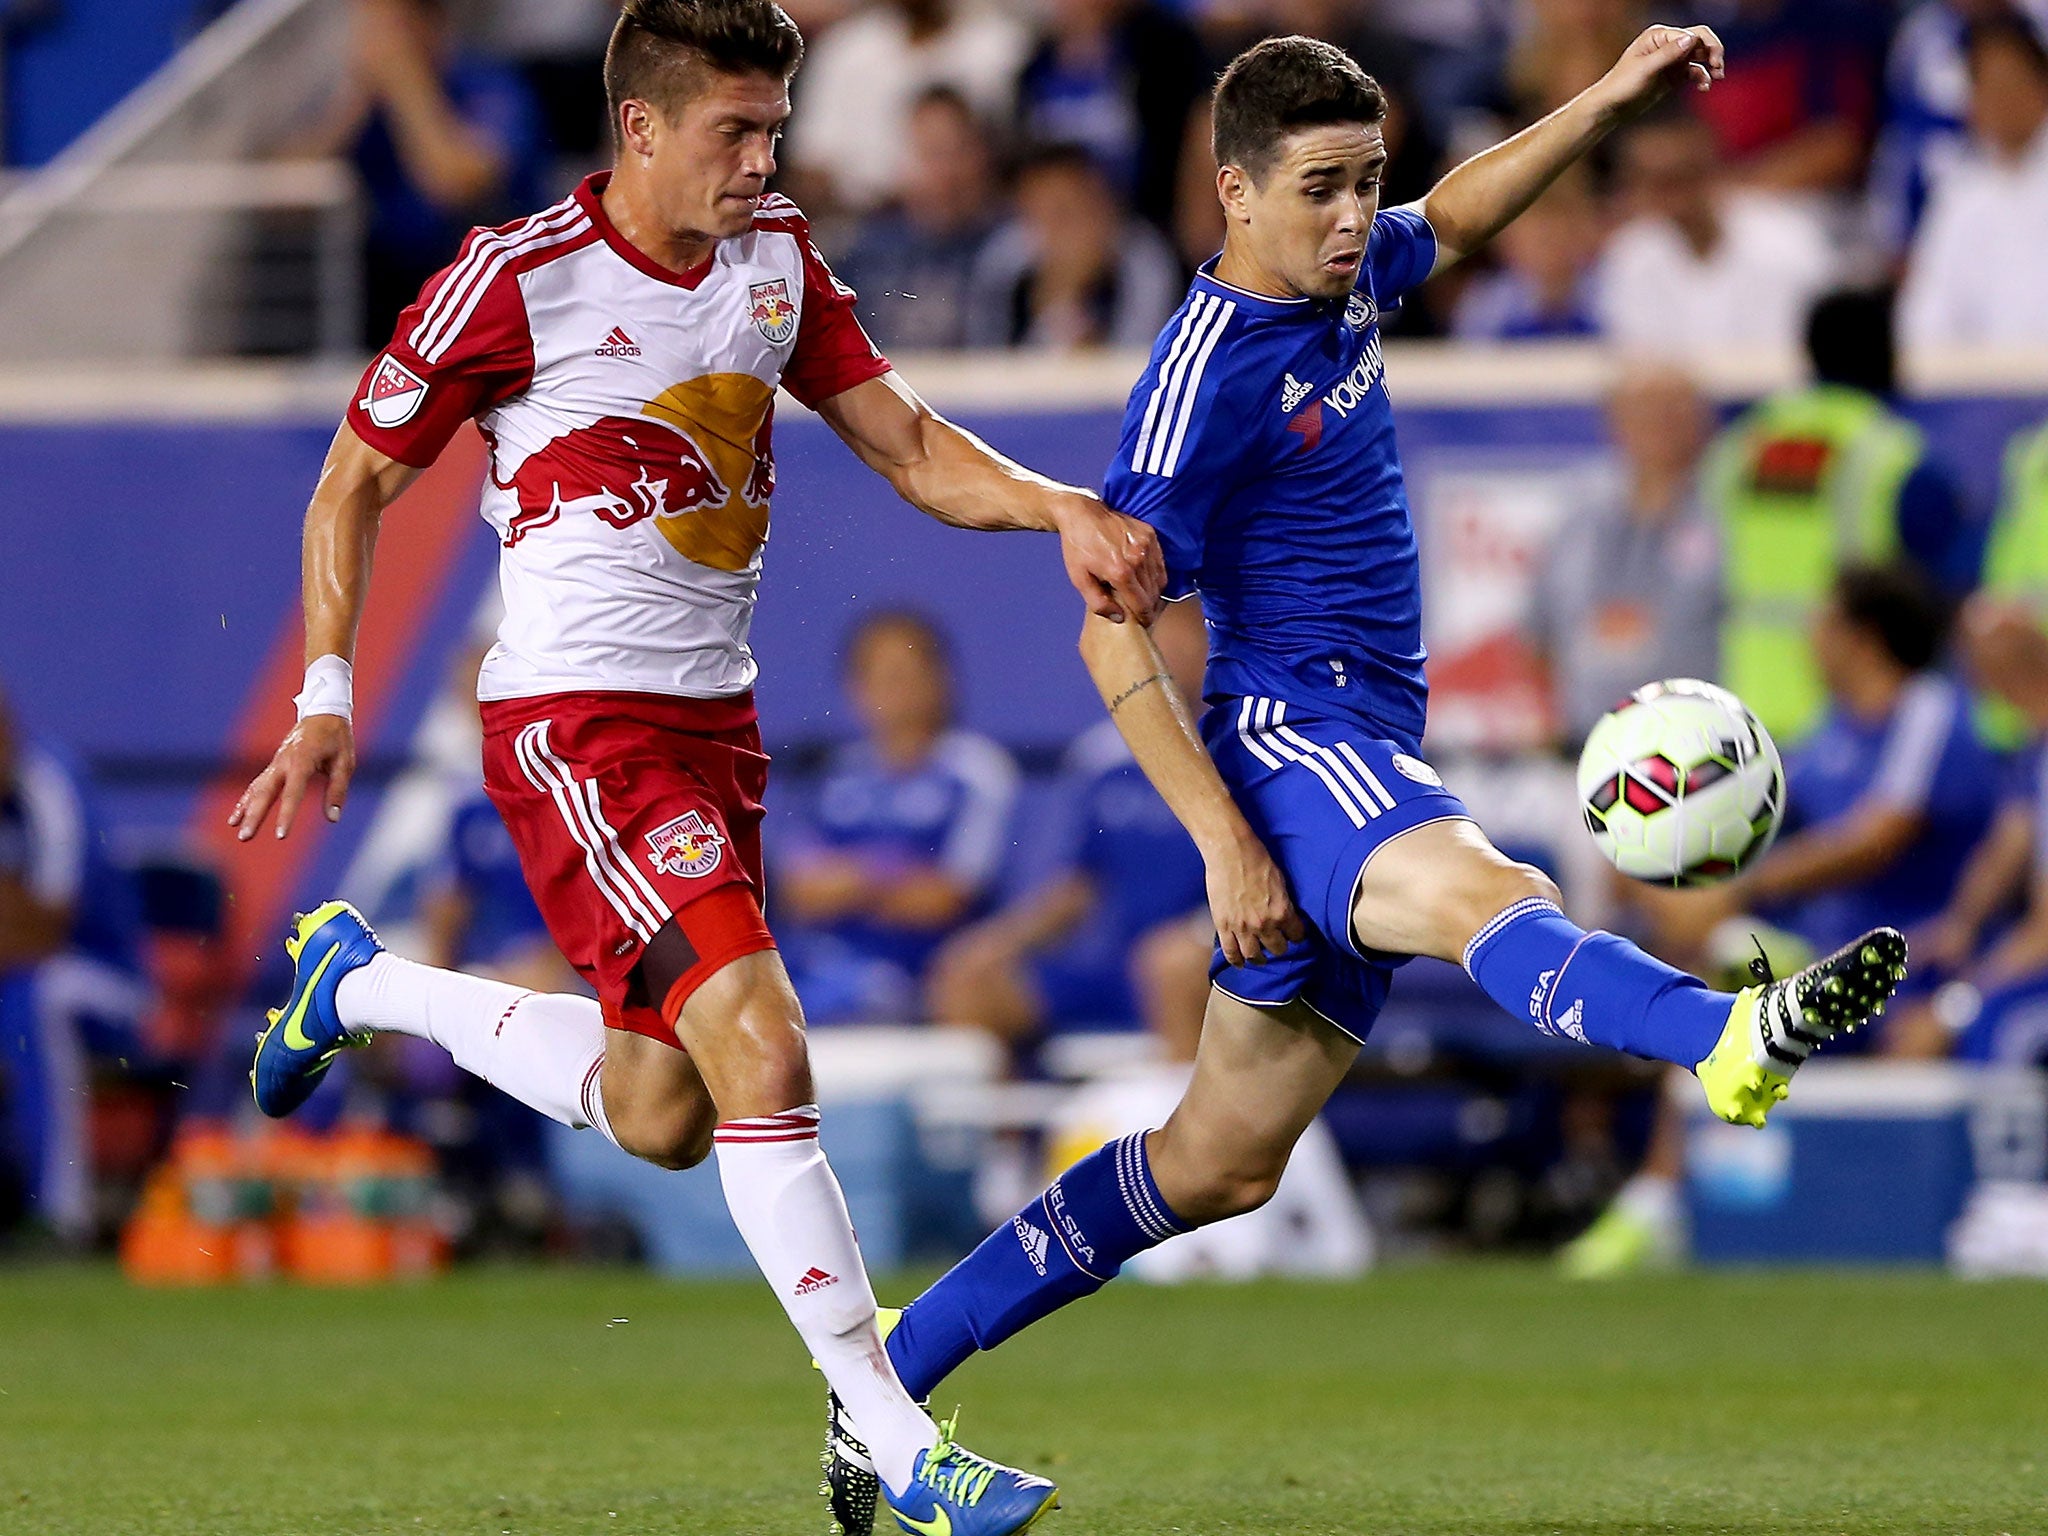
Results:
x,y
1681,785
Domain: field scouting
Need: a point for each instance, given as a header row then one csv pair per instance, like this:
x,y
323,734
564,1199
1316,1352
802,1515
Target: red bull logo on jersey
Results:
x,y
689,847
698,463
617,469
773,310
395,393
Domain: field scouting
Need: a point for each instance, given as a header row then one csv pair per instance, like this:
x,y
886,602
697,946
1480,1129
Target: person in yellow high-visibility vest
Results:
x,y
2016,564
1812,479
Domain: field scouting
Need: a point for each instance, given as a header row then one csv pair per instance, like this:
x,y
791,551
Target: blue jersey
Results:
x,y
1118,833
483,866
1260,444
1924,758
951,811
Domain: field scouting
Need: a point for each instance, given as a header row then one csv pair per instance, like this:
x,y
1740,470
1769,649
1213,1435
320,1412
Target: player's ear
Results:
x,y
637,127
1232,186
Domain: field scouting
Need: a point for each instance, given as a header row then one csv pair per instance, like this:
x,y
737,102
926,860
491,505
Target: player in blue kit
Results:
x,y
1259,443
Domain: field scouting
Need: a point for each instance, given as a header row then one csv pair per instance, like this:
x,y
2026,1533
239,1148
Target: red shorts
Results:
x,y
630,810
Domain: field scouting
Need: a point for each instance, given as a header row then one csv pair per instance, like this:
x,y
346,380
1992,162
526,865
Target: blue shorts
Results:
x,y
1323,795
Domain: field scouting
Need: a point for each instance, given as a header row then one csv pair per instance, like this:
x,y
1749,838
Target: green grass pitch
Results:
x,y
1480,1400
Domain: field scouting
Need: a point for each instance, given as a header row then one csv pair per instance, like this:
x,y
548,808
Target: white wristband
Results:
x,y
329,688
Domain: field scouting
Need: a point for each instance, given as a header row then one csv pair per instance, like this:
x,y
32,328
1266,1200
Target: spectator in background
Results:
x,y
1119,933
1566,45
1887,800
912,263
1997,1008
1926,130
1544,287
69,936
1699,264
1801,103
848,141
1810,480
906,838
1119,79
1976,275
442,138
1631,592
1071,269
558,47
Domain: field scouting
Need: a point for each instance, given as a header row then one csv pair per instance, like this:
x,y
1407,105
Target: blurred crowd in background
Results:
x,y
1869,180
1038,175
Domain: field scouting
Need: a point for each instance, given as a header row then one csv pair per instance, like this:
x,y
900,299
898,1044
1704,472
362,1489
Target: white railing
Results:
x,y
146,239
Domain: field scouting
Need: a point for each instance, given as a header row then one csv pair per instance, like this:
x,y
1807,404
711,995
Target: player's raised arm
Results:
x,y
356,484
1255,918
949,473
1488,192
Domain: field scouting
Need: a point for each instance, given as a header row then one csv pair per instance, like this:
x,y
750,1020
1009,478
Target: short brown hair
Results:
x,y
660,48
1282,84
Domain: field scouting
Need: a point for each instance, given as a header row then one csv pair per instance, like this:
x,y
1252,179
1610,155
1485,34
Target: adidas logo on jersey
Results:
x,y
815,1279
618,344
1034,1240
1292,393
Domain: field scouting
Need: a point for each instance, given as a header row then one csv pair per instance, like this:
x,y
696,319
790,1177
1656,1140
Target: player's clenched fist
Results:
x,y
1113,561
1255,917
319,747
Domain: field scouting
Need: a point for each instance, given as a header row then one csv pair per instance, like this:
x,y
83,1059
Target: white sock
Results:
x,y
546,1049
787,1204
1652,1198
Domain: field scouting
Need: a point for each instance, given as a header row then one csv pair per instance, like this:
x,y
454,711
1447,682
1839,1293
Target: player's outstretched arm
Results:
x,y
1248,898
952,475
1483,196
356,484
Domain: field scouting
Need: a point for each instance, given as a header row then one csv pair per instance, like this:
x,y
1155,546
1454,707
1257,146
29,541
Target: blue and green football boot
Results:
x,y
306,1034
954,1492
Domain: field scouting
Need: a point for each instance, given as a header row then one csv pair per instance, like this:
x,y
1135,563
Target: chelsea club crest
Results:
x,y
1360,311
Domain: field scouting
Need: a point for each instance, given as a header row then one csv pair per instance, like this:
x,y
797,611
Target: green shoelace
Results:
x,y
955,1472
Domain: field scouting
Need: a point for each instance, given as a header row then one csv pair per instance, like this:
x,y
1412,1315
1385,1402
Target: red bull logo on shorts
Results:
x,y
689,847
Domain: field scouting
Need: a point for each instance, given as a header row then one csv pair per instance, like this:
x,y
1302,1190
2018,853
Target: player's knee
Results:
x,y
1239,1191
1215,1188
1468,902
669,1136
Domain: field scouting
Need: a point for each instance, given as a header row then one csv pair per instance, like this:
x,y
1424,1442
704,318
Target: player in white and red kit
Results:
x,y
621,352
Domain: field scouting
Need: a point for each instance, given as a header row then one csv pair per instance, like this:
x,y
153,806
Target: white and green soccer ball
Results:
x,y
1681,785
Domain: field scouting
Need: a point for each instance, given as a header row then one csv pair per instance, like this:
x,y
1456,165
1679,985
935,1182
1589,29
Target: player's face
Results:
x,y
710,166
1305,223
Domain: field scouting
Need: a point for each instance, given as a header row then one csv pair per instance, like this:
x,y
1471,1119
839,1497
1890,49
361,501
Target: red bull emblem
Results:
x,y
689,847
394,395
617,468
773,310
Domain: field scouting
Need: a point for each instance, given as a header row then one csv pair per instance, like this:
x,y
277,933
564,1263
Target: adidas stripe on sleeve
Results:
x,y
1174,460
464,345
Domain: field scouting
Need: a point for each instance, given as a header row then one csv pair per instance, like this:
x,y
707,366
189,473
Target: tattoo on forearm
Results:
x,y
1134,690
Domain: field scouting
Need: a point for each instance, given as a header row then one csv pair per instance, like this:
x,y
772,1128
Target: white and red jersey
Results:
x,y
628,410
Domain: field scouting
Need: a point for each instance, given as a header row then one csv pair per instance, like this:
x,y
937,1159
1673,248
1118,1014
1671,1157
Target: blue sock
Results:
x,y
1593,987
1066,1244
